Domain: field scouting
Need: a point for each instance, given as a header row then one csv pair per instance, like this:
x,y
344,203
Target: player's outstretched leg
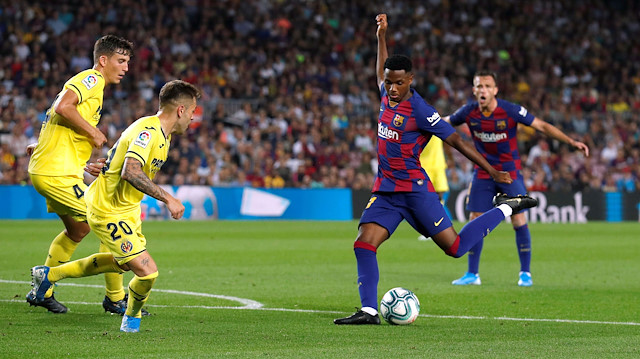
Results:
x,y
517,203
359,317
478,228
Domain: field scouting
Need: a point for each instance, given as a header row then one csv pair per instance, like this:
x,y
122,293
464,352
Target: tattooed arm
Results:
x,y
132,173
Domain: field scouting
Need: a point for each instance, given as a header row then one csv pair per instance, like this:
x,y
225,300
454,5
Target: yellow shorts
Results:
x,y
439,179
122,234
64,195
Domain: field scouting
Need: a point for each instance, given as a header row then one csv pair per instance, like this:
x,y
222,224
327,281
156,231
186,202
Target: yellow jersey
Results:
x,y
144,141
61,151
432,156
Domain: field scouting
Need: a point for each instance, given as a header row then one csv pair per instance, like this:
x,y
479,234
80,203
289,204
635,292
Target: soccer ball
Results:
x,y
399,306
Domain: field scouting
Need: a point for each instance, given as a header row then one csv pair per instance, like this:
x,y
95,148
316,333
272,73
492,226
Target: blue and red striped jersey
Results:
x,y
495,137
403,131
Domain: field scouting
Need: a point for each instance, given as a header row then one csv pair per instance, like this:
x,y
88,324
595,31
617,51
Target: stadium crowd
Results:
x,y
289,92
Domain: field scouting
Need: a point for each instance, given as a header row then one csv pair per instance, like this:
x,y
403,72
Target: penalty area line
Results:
x,y
249,304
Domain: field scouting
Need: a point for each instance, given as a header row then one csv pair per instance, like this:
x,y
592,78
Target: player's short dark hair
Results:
x,y
487,73
109,45
175,91
398,62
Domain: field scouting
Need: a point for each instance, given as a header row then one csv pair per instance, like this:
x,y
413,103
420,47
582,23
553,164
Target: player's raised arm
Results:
x,y
67,108
554,132
132,172
381,33
455,141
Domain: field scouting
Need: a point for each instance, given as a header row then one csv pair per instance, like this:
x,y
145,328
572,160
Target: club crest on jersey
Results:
x,y
126,247
90,81
398,120
501,125
143,139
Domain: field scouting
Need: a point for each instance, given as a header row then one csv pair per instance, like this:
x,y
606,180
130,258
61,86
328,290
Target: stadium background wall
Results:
x,y
238,203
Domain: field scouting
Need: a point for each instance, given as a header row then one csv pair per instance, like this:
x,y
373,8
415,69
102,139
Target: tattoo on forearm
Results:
x,y
133,174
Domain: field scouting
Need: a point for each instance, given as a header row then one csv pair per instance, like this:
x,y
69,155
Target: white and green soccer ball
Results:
x,y
399,306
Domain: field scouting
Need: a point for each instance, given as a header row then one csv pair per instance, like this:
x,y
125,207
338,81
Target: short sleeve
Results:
x,y
85,85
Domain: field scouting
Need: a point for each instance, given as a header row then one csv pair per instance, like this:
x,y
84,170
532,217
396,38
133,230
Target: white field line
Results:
x,y
255,305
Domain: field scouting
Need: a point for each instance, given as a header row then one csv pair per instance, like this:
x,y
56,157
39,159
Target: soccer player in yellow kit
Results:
x,y
113,202
433,161
58,160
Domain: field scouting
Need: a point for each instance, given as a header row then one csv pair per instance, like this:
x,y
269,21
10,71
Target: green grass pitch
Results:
x,y
293,278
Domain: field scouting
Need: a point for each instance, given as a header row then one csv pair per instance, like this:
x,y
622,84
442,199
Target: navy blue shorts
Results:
x,y
482,191
422,210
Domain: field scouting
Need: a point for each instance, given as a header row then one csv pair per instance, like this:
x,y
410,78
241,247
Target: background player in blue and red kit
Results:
x,y
402,189
493,124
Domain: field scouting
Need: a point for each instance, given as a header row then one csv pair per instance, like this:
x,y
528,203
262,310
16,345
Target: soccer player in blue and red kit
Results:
x,y
402,189
493,123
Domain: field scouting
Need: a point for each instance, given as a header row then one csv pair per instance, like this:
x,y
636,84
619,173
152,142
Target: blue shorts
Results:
x,y
482,191
422,210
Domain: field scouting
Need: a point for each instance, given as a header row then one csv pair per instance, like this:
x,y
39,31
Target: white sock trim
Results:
x,y
369,310
506,210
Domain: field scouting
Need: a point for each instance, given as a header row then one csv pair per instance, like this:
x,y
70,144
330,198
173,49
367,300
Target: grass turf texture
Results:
x,y
584,272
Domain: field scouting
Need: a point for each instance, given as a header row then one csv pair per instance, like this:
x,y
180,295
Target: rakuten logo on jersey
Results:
x,y
386,132
490,137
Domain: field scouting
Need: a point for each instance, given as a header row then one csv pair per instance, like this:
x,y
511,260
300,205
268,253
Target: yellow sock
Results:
x,y
60,252
113,281
139,290
85,267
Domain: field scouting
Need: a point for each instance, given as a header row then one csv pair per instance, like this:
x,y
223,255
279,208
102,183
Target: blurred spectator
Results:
x,y
609,183
18,141
627,181
540,149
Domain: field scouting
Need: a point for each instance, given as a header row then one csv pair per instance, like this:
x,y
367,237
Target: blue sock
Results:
x,y
523,241
473,257
368,274
474,231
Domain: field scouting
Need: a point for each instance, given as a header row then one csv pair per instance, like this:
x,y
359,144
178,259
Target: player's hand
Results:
x,y
582,147
97,138
381,19
94,168
31,148
175,207
502,177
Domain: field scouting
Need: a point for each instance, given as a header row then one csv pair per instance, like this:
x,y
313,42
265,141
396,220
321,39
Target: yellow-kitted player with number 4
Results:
x,y
113,202
58,160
